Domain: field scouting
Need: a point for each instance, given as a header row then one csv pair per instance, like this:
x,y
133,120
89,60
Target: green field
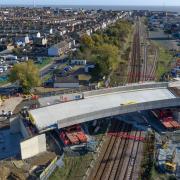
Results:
x,y
45,62
164,61
74,168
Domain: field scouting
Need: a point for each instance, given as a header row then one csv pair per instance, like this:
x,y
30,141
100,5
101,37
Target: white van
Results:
x,y
1,70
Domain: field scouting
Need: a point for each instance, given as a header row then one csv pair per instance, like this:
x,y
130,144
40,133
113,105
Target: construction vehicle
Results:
x,y
164,143
30,96
128,103
170,165
72,135
166,118
64,138
27,96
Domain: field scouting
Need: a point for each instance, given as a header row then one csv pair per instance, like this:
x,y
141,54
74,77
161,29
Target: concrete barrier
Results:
x,y
51,168
125,88
33,146
118,110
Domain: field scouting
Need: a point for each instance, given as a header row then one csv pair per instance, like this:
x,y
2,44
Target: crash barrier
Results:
x,y
55,163
130,87
66,91
118,110
92,90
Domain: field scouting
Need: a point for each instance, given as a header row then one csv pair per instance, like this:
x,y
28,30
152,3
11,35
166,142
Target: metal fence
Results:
x,y
51,168
119,110
126,88
67,91
92,90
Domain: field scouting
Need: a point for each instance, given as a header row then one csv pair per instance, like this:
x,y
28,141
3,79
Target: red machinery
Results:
x,y
166,118
73,135
63,137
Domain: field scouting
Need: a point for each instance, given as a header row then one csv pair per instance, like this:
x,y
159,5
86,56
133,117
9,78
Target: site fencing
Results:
x,y
66,91
93,90
55,163
128,87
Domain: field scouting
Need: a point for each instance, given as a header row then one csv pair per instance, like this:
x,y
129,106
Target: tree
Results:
x,y
106,60
27,74
98,39
108,54
87,41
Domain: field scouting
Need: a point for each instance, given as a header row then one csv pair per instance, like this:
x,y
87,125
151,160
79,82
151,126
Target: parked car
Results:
x,y
1,70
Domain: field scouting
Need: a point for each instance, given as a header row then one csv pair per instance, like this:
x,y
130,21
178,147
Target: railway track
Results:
x,y
119,158
132,158
151,75
103,162
135,71
141,69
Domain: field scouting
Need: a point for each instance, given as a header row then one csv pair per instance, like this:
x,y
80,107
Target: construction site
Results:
x,y
110,133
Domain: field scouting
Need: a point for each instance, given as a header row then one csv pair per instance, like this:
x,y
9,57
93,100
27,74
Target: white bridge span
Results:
x,y
104,103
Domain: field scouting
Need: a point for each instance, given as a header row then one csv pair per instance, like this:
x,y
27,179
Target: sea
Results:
x,y
150,8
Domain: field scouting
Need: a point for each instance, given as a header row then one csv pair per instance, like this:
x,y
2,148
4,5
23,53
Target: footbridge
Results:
x,y
105,103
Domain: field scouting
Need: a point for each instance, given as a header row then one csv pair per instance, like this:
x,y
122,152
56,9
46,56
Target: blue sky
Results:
x,y
95,2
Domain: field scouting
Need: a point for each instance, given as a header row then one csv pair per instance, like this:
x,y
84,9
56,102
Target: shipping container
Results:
x,y
71,97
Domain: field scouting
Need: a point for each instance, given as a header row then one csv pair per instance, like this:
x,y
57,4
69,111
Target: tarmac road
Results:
x,y
56,62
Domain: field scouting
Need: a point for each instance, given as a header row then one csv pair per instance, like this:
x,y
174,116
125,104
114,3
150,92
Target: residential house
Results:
x,y
60,48
78,62
42,41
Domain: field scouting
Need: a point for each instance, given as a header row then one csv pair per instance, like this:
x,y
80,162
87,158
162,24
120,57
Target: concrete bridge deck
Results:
x,y
103,103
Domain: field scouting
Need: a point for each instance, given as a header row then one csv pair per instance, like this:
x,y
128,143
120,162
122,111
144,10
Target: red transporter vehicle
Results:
x,y
73,135
166,118
64,138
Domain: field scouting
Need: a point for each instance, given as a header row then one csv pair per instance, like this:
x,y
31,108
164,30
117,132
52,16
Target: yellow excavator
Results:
x,y
170,165
164,143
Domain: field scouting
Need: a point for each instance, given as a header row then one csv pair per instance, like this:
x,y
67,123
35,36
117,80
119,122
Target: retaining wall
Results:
x,y
126,88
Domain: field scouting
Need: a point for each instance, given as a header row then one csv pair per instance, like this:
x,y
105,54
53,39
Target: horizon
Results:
x,y
92,3
96,7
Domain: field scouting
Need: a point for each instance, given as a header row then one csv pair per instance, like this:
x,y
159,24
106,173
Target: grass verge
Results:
x,y
164,61
45,62
74,168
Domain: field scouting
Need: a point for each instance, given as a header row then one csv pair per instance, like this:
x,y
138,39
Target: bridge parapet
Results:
x,y
129,87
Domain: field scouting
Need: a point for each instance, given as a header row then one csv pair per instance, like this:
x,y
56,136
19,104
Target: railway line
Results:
x,y
141,68
135,70
151,75
148,69
120,156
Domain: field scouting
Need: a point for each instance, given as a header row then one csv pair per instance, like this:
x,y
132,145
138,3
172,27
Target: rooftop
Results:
x,y
66,79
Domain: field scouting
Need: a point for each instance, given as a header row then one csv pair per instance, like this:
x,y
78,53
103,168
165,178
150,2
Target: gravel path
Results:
x,y
10,104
